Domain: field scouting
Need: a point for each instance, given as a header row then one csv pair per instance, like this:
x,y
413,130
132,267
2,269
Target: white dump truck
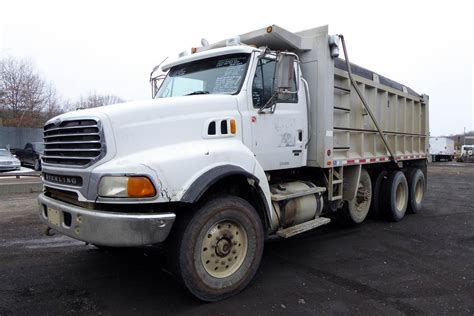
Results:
x,y
441,148
267,134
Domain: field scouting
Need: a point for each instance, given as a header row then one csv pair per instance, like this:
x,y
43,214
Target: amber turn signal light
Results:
x,y
140,187
233,127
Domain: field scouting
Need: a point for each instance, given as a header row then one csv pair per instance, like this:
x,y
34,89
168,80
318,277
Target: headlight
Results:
x,y
127,187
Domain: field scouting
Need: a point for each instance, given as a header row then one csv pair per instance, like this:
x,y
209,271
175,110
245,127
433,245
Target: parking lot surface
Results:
x,y
421,265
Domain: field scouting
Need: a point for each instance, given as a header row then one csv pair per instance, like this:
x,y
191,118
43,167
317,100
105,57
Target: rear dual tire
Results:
x,y
355,211
394,196
416,187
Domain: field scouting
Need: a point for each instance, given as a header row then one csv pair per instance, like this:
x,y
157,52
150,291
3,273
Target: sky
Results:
x,y
110,47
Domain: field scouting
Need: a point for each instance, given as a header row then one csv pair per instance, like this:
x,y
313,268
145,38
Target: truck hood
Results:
x,y
140,125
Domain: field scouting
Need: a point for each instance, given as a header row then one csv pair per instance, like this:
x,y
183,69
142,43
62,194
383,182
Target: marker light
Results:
x,y
233,127
269,29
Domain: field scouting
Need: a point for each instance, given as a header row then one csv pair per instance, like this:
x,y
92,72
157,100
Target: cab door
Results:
x,y
279,135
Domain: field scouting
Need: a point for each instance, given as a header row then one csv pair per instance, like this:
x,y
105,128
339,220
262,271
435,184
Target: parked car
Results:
x,y
8,161
30,155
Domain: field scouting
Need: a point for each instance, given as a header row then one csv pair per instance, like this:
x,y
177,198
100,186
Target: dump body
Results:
x,y
343,133
401,113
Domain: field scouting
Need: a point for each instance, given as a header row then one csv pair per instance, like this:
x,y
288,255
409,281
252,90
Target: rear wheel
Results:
x,y
216,251
356,210
37,165
376,196
416,189
395,196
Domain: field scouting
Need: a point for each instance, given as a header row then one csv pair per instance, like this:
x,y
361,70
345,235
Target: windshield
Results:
x,y
4,152
217,75
38,147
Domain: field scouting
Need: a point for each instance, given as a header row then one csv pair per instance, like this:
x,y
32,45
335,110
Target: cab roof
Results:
x,y
208,54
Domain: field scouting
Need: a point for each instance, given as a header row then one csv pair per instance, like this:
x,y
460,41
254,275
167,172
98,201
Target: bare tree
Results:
x,y
27,100
24,95
52,104
95,100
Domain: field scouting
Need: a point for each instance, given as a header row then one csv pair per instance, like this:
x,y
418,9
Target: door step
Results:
x,y
303,227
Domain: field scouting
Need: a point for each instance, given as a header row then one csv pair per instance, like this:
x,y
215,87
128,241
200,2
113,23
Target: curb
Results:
x,y
14,188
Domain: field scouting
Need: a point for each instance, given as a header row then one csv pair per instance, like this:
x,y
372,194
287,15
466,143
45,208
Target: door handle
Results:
x,y
300,135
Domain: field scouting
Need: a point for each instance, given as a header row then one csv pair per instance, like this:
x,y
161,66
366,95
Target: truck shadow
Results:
x,y
140,275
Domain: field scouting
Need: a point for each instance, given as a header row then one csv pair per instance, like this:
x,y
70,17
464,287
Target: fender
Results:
x,y
207,179
212,176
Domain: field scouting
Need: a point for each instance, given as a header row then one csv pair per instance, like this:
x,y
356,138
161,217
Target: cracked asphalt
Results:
x,y
421,265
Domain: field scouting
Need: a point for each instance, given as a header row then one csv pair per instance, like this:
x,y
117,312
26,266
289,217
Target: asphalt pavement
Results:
x,y
421,265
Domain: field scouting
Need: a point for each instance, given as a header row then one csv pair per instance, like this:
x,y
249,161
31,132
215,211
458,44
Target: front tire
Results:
x,y
218,248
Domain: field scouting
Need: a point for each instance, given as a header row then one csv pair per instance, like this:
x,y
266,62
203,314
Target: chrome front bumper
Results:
x,y
105,228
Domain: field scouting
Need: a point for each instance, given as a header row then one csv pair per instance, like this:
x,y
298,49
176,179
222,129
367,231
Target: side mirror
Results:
x,y
285,76
285,85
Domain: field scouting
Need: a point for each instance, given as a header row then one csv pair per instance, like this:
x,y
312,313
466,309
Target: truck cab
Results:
x,y
248,74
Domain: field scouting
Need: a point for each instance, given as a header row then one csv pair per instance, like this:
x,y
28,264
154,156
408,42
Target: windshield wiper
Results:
x,y
198,92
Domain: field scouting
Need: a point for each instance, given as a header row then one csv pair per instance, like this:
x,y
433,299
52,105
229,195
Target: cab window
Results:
x,y
262,87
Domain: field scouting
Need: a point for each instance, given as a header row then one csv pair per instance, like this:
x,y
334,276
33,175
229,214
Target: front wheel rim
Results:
x,y
224,248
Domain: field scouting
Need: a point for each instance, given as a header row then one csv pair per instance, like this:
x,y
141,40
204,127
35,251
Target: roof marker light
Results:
x,y
234,41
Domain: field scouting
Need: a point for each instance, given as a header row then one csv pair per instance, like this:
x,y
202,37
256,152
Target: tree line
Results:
x,y
29,100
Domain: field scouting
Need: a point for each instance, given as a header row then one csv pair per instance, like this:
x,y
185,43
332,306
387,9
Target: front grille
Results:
x,y
74,143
